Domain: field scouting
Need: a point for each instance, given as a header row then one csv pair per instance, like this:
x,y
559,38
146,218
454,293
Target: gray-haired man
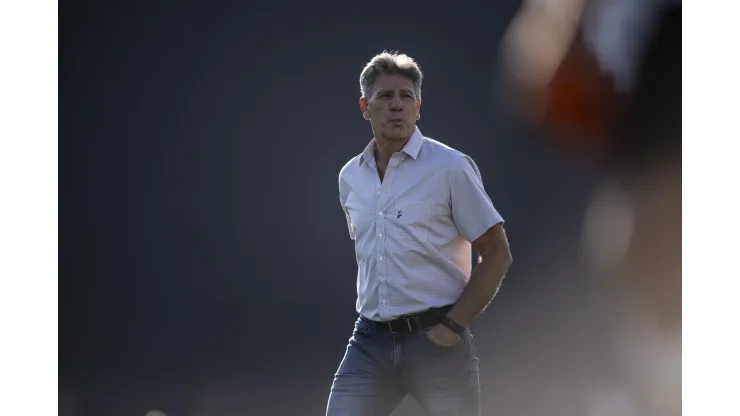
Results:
x,y
414,207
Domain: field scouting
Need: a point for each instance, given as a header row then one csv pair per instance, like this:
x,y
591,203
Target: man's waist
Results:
x,y
411,322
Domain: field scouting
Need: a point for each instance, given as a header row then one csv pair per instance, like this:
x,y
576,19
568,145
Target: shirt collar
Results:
x,y
412,148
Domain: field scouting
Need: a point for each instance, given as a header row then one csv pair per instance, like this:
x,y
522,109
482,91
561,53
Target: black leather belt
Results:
x,y
411,323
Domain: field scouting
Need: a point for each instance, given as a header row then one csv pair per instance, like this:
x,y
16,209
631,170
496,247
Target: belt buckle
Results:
x,y
412,323
416,326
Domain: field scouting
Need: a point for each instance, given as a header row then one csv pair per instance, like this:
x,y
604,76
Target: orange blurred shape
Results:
x,y
580,104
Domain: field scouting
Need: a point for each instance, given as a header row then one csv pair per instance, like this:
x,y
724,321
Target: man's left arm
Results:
x,y
479,222
494,260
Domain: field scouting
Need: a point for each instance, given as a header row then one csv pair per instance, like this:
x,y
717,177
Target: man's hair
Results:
x,y
390,63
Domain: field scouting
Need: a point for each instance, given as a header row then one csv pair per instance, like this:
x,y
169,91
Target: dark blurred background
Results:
x,y
205,264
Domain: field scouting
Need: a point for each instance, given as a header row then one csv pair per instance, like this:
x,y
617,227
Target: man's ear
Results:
x,y
363,107
418,109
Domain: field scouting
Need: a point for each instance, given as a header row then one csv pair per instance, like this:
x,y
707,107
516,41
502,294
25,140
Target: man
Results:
x,y
414,207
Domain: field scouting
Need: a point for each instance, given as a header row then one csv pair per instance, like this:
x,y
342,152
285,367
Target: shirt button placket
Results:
x,y
381,233
382,260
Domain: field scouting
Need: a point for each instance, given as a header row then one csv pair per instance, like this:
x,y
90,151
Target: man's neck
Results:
x,y
385,148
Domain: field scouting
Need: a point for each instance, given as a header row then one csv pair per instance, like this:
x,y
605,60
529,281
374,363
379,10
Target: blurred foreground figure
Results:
x,y
603,79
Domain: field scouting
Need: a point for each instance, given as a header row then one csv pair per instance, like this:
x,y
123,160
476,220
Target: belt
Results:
x,y
411,323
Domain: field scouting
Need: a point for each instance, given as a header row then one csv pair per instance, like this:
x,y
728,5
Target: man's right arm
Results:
x,y
349,224
343,195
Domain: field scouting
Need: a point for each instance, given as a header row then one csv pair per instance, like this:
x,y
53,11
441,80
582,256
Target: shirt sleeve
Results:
x,y
349,224
472,209
342,201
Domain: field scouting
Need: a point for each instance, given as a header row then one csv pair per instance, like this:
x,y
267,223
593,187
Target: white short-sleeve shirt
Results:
x,y
412,232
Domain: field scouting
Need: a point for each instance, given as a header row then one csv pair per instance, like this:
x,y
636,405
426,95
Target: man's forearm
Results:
x,y
480,290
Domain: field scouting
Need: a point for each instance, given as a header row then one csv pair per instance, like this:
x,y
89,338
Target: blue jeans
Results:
x,y
380,368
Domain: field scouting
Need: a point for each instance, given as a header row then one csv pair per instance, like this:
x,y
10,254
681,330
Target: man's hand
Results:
x,y
441,335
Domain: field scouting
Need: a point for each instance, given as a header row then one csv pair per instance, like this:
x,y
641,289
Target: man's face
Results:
x,y
392,107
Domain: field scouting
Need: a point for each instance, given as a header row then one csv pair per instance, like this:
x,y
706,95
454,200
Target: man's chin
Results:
x,y
402,133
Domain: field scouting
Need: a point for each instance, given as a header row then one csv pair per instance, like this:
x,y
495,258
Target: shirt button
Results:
x,y
380,235
380,258
380,214
383,301
382,279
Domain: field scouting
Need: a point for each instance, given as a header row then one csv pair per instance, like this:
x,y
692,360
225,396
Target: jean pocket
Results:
x,y
425,334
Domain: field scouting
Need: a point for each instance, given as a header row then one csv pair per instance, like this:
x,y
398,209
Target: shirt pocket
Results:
x,y
412,220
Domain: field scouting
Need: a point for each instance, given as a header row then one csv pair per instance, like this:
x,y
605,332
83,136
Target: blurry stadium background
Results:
x,y
204,260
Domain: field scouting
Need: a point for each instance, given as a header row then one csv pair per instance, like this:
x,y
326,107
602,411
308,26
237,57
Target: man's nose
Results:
x,y
396,104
